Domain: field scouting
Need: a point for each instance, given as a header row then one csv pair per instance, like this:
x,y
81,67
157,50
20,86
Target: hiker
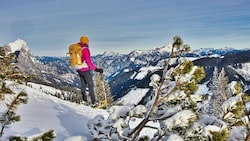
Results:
x,y
84,72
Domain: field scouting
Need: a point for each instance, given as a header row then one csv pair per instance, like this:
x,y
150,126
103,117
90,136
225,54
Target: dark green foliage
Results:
x,y
4,90
220,136
237,88
46,136
190,87
145,138
238,112
178,48
177,41
185,68
199,74
245,98
17,138
9,117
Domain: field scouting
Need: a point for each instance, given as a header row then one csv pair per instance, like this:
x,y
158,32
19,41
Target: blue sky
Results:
x,y
50,26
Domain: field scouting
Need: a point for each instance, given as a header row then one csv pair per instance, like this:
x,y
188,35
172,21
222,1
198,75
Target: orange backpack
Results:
x,y
75,56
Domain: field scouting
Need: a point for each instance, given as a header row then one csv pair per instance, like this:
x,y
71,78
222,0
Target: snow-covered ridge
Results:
x,y
213,52
107,53
167,48
18,44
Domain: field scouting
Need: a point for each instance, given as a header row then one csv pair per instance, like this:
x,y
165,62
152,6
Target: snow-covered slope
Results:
x,y
244,70
45,112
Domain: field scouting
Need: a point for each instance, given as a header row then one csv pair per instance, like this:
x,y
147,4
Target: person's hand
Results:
x,y
99,70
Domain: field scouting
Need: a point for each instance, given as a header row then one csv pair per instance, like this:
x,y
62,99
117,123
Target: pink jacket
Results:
x,y
86,56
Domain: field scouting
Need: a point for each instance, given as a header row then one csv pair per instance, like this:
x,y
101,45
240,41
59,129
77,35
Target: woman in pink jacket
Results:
x,y
84,72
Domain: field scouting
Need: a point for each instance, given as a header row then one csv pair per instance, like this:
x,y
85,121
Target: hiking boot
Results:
x,y
94,105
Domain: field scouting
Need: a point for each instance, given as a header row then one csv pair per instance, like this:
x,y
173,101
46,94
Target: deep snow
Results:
x,y
44,112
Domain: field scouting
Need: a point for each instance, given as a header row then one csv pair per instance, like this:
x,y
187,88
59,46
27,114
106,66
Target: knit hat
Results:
x,y
84,40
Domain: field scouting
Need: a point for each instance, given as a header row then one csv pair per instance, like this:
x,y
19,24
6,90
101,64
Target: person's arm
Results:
x,y
86,54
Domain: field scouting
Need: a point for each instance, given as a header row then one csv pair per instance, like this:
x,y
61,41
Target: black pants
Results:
x,y
86,80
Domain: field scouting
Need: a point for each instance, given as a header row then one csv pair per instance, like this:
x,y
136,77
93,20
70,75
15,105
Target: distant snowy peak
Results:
x,y
109,53
212,51
18,45
163,49
167,48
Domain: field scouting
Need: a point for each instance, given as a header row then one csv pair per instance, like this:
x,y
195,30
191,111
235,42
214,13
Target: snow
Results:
x,y
75,138
202,89
146,131
214,56
134,96
69,120
45,112
144,71
229,105
132,59
248,106
126,70
167,48
180,119
238,134
174,137
18,45
244,70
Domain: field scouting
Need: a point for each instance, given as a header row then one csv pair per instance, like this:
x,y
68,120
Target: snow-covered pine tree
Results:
x,y
223,84
234,111
211,105
5,63
173,106
218,90
232,120
174,111
102,89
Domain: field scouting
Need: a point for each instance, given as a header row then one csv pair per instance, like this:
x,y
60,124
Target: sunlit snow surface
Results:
x,y
45,112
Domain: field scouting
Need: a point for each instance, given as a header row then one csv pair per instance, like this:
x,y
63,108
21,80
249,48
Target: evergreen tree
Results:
x,y
174,107
173,99
210,105
5,70
223,83
234,112
218,90
102,90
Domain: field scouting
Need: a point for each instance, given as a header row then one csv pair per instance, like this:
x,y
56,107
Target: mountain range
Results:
x,y
124,72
